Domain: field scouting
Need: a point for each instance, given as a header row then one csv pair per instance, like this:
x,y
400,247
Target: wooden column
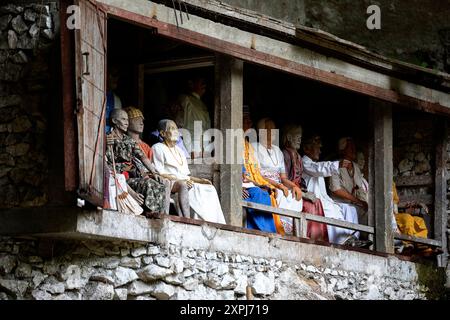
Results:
x,y
440,194
371,173
383,168
229,100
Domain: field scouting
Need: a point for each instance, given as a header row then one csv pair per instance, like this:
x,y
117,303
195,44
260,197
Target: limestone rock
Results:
x,y
263,285
15,287
153,251
23,270
191,284
174,279
34,31
44,21
153,272
127,262
163,262
72,277
228,282
20,58
147,260
241,284
105,276
21,124
7,264
221,269
137,252
121,294
12,39
52,285
123,276
19,25
213,281
29,15
4,21
99,291
11,8
138,287
405,165
41,9
41,295
48,34
162,291
226,295
38,277
177,265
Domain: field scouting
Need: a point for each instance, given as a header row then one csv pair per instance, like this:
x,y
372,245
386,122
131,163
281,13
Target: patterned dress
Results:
x,y
128,158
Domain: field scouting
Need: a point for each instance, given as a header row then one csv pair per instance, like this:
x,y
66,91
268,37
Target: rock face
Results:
x,y
429,46
26,39
210,275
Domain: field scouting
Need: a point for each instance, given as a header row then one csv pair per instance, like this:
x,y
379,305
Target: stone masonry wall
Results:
x,y
39,269
27,34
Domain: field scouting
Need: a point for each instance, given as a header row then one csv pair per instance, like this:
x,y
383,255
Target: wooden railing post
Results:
x,y
229,100
440,194
383,172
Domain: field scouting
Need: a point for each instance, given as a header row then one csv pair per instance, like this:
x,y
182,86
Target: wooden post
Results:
x,y
383,171
440,194
371,174
229,100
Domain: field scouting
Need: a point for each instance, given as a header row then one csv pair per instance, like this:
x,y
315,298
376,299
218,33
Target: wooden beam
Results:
x,y
440,193
430,242
229,88
384,239
309,217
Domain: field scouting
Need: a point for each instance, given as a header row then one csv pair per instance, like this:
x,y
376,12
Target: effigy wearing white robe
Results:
x,y
203,198
271,164
314,174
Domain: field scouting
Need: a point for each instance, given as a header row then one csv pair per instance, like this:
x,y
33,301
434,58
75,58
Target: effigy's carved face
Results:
x,y
136,125
295,139
121,121
171,133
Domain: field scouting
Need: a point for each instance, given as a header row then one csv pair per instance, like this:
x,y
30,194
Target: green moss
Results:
x,y
434,279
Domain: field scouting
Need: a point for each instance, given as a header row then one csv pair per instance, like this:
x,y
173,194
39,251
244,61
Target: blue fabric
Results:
x,y
259,220
109,109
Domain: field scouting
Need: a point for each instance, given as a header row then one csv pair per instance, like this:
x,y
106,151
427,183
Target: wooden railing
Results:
x,y
301,221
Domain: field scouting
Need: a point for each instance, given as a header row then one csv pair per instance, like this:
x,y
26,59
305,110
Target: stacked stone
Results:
x,y
414,149
26,37
118,271
414,154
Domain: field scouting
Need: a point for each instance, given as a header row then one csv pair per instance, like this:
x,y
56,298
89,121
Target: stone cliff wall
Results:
x,y
416,31
27,34
122,270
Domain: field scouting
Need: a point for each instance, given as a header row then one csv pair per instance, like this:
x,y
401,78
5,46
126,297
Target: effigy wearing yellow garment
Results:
x,y
411,225
253,174
395,194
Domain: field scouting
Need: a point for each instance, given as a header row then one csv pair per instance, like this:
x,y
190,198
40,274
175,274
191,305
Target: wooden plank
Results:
x,y
371,174
440,193
281,55
413,181
68,100
384,240
90,61
309,217
430,242
229,88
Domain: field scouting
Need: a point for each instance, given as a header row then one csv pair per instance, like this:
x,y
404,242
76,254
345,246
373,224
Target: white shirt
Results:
x,y
271,161
314,174
170,161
